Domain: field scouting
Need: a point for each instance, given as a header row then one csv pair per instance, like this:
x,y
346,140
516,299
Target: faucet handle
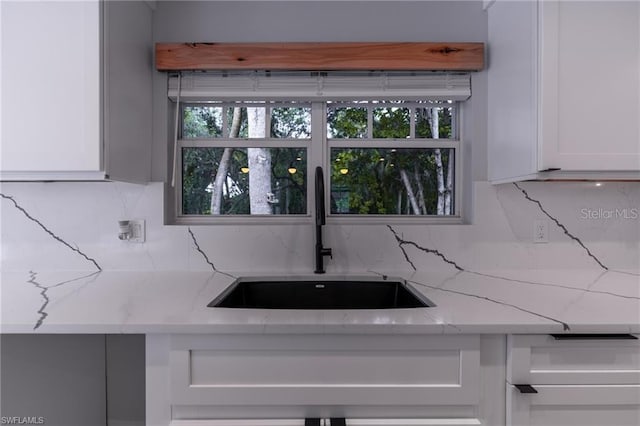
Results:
x,y
326,251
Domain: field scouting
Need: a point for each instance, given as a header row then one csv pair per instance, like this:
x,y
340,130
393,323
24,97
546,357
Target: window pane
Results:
x,y
435,122
291,122
346,122
246,122
262,181
201,122
392,181
391,122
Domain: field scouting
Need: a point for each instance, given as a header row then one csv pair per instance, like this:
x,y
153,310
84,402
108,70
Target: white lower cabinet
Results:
x,y
578,382
391,380
395,380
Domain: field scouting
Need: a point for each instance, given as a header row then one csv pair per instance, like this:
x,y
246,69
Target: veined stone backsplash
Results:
x,y
74,226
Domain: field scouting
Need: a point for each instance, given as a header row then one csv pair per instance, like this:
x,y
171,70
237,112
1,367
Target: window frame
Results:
x,y
224,142
318,149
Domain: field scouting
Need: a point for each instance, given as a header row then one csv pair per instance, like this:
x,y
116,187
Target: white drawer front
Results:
x,y
543,360
584,416
322,370
595,357
568,405
578,382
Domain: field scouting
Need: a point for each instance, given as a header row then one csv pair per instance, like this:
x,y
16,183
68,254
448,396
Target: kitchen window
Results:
x,y
246,146
244,158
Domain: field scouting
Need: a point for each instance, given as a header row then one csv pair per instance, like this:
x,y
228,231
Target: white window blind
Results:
x,y
254,86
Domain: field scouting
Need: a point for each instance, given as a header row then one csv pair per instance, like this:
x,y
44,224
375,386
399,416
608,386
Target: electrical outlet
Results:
x,y
540,231
137,228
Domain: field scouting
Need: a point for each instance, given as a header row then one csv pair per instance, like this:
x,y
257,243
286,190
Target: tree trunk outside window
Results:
x,y
259,164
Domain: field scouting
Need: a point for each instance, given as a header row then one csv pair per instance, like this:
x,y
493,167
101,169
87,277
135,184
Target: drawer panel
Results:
x,y
584,405
324,368
595,357
540,359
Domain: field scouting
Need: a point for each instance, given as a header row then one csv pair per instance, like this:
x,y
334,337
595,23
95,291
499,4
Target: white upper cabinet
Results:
x,y
50,88
55,121
564,90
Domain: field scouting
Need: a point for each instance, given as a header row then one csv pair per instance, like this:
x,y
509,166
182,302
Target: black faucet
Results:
x,y
321,251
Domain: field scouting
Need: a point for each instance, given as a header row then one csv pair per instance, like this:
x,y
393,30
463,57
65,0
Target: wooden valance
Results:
x,y
320,56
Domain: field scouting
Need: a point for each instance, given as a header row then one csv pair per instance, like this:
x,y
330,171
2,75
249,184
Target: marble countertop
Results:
x,y
487,276
500,301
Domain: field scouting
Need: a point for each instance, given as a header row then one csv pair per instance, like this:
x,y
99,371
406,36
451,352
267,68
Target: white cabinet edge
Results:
x,y
38,176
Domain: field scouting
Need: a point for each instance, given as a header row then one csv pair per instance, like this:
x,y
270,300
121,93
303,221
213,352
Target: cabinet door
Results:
x,y
590,85
76,90
591,382
563,90
50,89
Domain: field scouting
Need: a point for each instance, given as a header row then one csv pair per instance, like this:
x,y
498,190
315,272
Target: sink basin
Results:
x,y
320,294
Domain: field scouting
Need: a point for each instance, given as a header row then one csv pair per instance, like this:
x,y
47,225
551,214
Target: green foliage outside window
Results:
x,y
369,180
349,122
288,178
364,179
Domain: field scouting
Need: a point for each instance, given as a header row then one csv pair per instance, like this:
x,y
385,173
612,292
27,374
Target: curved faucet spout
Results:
x,y
320,251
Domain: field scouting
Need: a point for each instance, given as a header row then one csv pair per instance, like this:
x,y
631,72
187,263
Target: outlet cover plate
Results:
x,y
540,231
138,231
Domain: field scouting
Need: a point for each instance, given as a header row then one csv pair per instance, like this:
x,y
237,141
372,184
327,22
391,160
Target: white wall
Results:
x,y
250,21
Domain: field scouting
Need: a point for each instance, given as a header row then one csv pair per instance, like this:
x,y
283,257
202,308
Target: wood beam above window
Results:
x,y
320,56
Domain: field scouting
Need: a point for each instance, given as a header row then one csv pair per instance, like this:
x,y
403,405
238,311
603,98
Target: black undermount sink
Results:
x,y
320,294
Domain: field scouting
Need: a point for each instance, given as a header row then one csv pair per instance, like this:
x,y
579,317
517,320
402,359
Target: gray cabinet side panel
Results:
x,y
60,378
128,66
125,379
512,91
